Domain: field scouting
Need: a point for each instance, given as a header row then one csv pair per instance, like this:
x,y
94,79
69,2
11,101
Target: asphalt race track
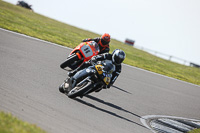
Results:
x,y
29,80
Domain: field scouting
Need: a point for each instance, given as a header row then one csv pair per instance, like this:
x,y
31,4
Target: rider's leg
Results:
x,y
83,65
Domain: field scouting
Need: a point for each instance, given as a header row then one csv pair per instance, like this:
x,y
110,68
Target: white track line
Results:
x,y
71,49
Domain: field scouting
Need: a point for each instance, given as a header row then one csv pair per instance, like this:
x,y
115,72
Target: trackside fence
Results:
x,y
167,57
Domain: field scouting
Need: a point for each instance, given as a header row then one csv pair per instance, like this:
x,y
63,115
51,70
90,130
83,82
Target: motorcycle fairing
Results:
x,y
87,51
83,73
99,68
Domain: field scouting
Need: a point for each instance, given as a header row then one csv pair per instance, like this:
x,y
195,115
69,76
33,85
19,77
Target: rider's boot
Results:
x,y
73,72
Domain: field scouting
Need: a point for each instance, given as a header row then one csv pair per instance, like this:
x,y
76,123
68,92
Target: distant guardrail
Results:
x,y
168,57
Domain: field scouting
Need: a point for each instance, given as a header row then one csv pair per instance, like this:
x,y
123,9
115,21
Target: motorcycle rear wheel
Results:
x,y
79,91
69,61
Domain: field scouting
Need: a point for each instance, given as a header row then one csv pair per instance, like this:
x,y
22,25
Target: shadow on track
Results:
x,y
109,112
112,105
121,89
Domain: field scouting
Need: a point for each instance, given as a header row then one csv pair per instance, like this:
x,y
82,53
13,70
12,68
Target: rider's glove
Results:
x,y
86,40
93,60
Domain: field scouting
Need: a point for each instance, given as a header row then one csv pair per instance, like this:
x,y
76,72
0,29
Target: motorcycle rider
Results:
x,y
102,41
117,57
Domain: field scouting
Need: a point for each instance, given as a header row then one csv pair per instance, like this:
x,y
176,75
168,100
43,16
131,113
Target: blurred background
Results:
x,y
169,28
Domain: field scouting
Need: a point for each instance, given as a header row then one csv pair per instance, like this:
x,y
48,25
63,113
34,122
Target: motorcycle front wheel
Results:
x,y
80,90
69,61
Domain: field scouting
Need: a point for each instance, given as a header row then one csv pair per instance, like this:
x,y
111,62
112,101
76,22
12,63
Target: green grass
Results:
x,y
195,131
10,124
24,21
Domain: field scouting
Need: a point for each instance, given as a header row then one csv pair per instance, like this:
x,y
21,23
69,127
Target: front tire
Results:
x,y
69,61
79,91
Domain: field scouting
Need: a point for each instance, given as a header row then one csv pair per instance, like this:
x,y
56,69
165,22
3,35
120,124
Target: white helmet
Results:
x,y
118,56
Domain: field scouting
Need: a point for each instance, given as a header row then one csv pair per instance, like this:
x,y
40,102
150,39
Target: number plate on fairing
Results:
x,y
87,51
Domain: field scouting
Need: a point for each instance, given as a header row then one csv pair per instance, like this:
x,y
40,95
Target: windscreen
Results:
x,y
95,46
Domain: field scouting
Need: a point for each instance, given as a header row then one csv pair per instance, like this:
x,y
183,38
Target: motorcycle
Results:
x,y
82,53
88,80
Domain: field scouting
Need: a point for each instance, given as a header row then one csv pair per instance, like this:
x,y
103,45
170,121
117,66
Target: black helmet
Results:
x,y
118,56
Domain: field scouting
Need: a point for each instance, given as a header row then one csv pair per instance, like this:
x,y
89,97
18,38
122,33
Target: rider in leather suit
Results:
x,y
117,57
103,42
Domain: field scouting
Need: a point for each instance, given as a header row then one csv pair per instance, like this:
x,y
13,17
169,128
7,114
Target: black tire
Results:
x,y
79,91
69,61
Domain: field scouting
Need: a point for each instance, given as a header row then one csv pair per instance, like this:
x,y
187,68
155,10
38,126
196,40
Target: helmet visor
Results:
x,y
118,60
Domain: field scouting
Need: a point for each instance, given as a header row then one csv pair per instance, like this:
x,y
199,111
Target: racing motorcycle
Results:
x,y
88,80
82,53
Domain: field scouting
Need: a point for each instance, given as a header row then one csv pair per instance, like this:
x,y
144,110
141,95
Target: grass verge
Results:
x,y
23,21
195,131
10,124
